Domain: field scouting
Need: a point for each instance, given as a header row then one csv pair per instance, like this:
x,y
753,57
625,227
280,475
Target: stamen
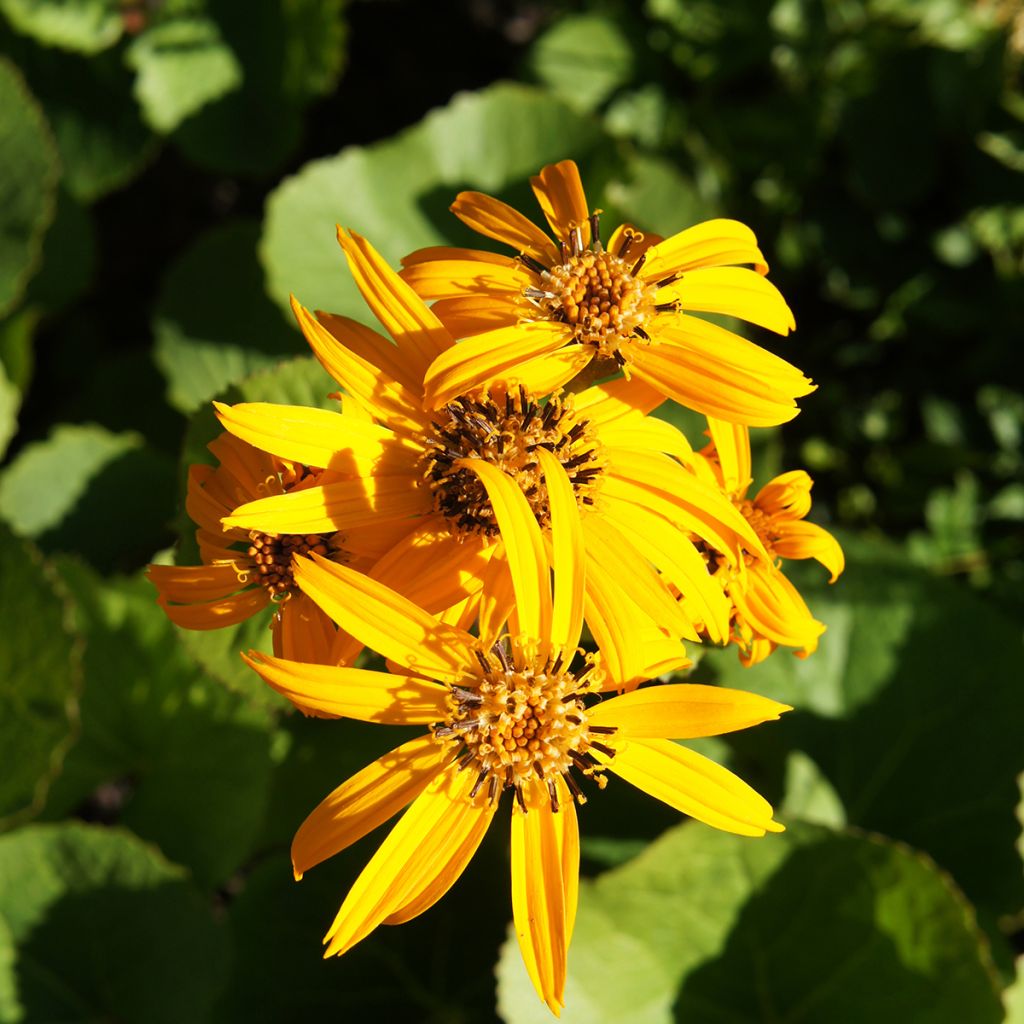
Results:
x,y
535,265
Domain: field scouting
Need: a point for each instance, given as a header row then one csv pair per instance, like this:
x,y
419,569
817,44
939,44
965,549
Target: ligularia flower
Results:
x,y
509,711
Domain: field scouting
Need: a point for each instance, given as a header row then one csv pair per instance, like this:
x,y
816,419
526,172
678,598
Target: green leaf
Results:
x,y
397,192
291,52
10,403
164,750
1014,997
10,1006
655,196
106,929
214,324
27,186
86,26
69,258
911,710
49,477
583,59
810,925
182,64
40,676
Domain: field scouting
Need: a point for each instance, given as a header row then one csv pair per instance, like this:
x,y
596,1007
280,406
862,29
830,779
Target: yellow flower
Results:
x,y
628,306
245,571
507,712
427,473
768,610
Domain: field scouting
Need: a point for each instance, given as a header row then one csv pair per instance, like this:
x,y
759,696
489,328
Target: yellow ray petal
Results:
x,y
247,467
568,556
608,402
707,387
560,193
540,864
550,371
498,220
732,291
431,253
647,432
670,549
338,506
800,539
204,508
774,607
419,335
640,243
450,279
732,444
305,633
474,314
447,869
684,711
380,396
216,614
787,496
695,785
524,548
431,568
366,800
612,549
715,243
489,357
372,347
388,623
316,437
409,858
193,584
353,692
497,596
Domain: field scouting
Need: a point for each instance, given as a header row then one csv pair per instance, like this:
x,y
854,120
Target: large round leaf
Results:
x,y
106,929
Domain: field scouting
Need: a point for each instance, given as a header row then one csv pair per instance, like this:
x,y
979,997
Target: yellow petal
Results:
x,y
374,348
337,506
498,220
560,193
732,444
671,550
542,879
414,854
315,437
431,567
216,614
800,539
550,371
447,869
489,357
192,584
568,556
524,548
450,279
366,800
605,403
732,291
305,633
788,496
695,785
388,623
647,432
378,395
475,314
431,253
353,692
684,711
770,603
715,243
640,242
420,336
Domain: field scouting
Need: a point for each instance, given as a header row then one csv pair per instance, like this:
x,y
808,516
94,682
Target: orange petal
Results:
x,y
216,614
450,279
498,220
193,584
560,193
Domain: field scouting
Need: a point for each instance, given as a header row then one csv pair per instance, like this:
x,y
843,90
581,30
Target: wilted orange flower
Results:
x,y
768,610
629,306
505,712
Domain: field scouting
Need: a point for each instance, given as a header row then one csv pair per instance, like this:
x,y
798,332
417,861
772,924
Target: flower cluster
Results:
x,y
493,484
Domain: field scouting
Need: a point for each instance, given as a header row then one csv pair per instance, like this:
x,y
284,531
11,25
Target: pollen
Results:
x,y
507,431
597,293
273,557
525,721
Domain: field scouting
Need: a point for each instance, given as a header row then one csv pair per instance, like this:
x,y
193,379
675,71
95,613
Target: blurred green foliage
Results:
x,y
171,170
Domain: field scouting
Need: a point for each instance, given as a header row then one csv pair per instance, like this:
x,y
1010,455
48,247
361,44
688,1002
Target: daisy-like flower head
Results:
x,y
508,712
768,610
630,306
423,476
246,571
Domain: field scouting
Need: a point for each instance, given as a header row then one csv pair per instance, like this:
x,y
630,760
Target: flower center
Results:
x,y
524,722
506,433
597,293
272,555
